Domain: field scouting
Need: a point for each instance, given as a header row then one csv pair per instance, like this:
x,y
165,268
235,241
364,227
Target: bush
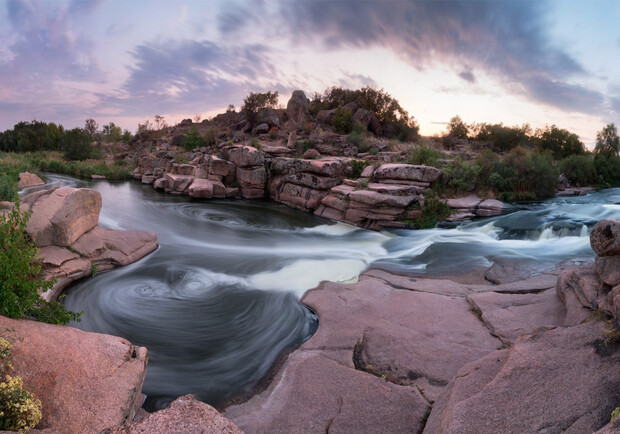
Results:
x,y
193,139
579,169
76,145
357,167
256,101
433,211
607,169
462,175
358,137
8,187
458,128
561,142
343,120
19,271
425,155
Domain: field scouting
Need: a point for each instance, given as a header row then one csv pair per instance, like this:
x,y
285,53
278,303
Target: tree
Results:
x,y
197,118
91,127
112,133
562,143
76,144
607,141
256,101
458,128
19,270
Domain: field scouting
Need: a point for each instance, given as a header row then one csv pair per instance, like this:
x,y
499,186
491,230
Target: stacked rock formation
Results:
x,y
595,288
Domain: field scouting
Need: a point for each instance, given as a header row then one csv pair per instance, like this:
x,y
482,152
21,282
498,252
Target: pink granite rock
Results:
x,y
408,172
605,237
27,179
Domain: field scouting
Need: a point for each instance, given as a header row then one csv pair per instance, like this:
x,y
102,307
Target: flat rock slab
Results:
x,y
313,394
184,415
86,381
407,172
27,179
564,380
532,284
509,316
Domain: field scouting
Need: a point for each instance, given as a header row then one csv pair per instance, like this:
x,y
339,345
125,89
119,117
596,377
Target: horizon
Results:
x,y
542,63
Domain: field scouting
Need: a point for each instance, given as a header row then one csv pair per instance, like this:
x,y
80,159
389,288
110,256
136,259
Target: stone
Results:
x,y
605,237
268,116
336,202
244,156
292,140
183,415
254,177
608,269
367,119
559,380
509,316
408,172
297,107
27,179
86,381
260,129
299,197
376,199
311,180
97,177
394,189
147,179
220,167
367,172
562,182
311,154
329,213
326,116
178,184
201,189
60,216
582,292
160,184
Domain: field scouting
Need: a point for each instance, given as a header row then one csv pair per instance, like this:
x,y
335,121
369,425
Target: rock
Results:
x,y
297,107
562,380
375,199
311,180
367,172
220,167
260,129
608,269
299,197
562,182
367,119
184,415
605,237
178,184
185,123
394,189
160,184
253,177
582,292
408,172
252,193
244,156
201,188
474,205
312,154
509,316
268,116
60,216
292,140
27,179
86,381
97,177
276,150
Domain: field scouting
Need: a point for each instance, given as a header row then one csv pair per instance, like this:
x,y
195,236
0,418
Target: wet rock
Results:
x,y
184,415
408,172
561,380
86,381
27,179
177,184
60,216
201,189
605,237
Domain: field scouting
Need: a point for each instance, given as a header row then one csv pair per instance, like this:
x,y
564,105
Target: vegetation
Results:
x,y
257,101
580,169
426,155
562,143
193,139
433,210
343,120
20,410
607,141
19,270
501,137
458,128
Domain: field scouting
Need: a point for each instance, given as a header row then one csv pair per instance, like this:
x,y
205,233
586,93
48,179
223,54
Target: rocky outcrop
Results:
x,y
27,179
472,206
183,415
596,287
297,108
562,380
63,225
86,381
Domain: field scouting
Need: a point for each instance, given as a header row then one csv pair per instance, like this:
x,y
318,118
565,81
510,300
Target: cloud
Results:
x,y
507,39
191,76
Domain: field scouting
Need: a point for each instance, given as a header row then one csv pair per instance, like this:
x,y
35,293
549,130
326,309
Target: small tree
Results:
x,y
91,127
458,128
193,139
256,101
562,143
76,144
607,141
19,270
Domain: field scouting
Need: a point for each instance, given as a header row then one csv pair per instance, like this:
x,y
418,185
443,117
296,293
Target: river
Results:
x,y
218,302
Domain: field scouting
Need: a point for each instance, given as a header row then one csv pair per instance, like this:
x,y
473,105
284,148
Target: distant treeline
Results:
x,y
75,144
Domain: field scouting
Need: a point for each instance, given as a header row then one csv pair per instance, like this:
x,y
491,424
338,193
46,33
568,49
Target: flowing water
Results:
x,y
217,303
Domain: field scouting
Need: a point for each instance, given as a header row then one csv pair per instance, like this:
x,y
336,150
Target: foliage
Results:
x,y
193,139
562,143
503,138
615,413
76,144
357,167
433,211
126,137
425,155
180,158
18,274
579,169
211,135
8,187
343,120
458,128
256,101
607,169
91,127
461,175
254,142
607,141
111,133
358,137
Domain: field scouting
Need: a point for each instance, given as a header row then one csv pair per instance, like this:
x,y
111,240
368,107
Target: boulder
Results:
x,y
369,120
183,415
297,107
177,184
582,292
27,179
201,189
311,154
268,116
311,180
260,129
605,237
376,199
326,116
562,182
299,197
244,156
408,172
60,216
608,269
561,380
253,177
86,381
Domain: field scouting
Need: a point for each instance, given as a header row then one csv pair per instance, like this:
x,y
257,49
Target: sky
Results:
x,y
527,61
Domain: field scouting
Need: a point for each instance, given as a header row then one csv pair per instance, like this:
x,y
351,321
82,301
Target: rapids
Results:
x,y
218,302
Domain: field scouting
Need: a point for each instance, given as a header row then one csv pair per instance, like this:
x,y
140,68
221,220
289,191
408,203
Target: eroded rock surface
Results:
x,y
27,179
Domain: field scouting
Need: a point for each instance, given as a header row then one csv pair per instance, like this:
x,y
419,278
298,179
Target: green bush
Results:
x,y
433,211
19,272
76,144
357,137
561,142
193,139
8,187
358,167
461,175
607,169
579,169
425,155
343,120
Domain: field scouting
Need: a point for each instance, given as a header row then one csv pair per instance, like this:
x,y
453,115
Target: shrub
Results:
x,y
8,187
211,136
180,158
193,139
579,169
607,169
256,101
357,137
425,155
561,142
18,274
178,140
254,142
462,175
458,128
343,120
357,168
433,211
76,144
